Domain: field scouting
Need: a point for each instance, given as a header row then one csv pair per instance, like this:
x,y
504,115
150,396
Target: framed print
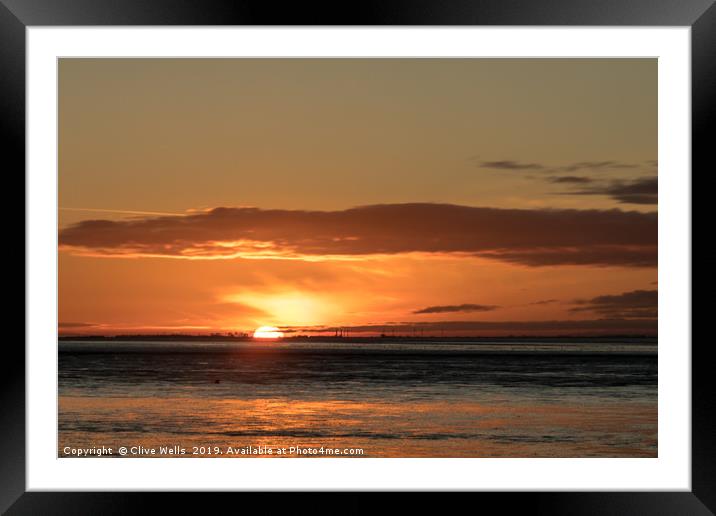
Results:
x,y
440,249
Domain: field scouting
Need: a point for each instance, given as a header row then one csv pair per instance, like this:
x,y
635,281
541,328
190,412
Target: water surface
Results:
x,y
389,399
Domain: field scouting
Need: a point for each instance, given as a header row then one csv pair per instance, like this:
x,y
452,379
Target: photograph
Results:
x,y
366,257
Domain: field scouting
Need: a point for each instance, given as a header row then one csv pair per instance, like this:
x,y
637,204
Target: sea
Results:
x,y
283,399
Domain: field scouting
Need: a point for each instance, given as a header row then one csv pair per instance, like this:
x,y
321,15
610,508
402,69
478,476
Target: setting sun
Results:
x,y
267,332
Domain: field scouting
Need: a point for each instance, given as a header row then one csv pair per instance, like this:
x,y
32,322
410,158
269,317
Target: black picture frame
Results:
x,y
700,15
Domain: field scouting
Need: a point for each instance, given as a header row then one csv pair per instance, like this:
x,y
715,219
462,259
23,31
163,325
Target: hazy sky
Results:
x,y
465,155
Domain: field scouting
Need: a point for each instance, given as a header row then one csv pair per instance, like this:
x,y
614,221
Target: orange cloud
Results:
x,y
527,237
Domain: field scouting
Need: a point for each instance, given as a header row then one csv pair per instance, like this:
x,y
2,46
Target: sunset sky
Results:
x,y
408,196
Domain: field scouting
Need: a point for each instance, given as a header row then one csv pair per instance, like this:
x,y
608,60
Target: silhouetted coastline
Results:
x,y
631,339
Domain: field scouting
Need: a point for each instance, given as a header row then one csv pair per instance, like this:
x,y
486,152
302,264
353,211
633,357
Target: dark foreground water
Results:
x,y
386,399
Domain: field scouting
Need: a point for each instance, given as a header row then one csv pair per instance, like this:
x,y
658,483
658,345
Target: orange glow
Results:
x,y
104,296
290,307
268,332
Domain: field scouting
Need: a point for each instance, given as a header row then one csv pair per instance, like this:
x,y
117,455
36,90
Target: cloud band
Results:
x,y
526,237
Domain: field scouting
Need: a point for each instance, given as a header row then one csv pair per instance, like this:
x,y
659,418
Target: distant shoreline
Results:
x,y
632,339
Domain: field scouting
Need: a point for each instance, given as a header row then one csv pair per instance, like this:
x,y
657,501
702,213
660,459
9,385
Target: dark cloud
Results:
x,y
577,166
554,327
545,302
527,237
634,256
596,165
441,309
570,179
510,165
640,191
635,304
